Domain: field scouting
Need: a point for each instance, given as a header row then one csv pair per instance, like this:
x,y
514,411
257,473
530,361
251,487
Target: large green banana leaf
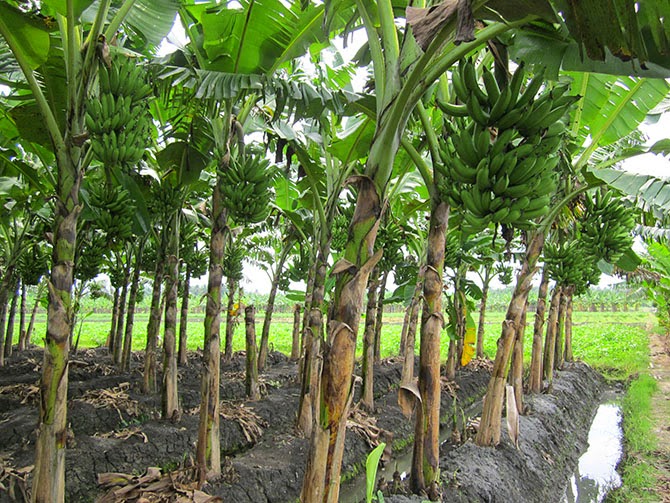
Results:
x,y
611,107
652,191
256,37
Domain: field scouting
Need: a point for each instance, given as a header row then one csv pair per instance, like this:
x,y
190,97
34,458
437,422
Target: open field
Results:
x,y
598,336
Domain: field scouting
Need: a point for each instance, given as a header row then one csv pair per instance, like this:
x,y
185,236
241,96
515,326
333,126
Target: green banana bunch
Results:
x,y
391,238
339,232
571,264
118,118
515,105
115,210
246,188
233,256
607,226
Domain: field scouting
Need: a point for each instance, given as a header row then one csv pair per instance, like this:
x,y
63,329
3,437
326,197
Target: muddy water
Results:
x,y
596,474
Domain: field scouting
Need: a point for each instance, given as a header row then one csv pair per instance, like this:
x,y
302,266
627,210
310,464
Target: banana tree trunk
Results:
x,y
550,340
251,376
33,313
425,460
380,315
169,391
5,288
267,320
130,316
208,449
295,336
115,319
230,320
490,424
23,311
560,331
309,293
149,383
482,313
313,334
322,474
183,319
118,337
516,376
568,326
535,381
367,395
407,348
76,307
49,475
9,333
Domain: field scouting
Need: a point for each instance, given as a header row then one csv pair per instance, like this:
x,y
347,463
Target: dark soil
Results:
x,y
120,430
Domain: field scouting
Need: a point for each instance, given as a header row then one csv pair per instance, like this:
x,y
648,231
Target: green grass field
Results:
x,y
615,343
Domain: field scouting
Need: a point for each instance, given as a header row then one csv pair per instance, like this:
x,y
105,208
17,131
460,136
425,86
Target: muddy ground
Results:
x,y
114,428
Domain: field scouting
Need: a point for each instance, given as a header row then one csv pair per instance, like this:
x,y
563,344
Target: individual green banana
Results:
x,y
453,110
103,79
520,204
510,118
459,86
491,85
499,215
465,149
469,203
470,80
483,180
482,143
503,139
515,83
523,171
531,89
476,111
499,108
459,172
515,191
496,164
501,185
511,217
533,214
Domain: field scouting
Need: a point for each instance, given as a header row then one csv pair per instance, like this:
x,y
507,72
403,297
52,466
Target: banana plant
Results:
x,y
59,77
237,51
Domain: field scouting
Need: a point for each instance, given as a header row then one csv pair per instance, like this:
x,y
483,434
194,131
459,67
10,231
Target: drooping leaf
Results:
x,y
619,37
650,191
182,159
371,465
355,141
60,6
29,35
612,107
256,36
629,261
152,19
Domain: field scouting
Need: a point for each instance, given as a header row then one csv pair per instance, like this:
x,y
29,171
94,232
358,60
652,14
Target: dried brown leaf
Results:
x,y
409,397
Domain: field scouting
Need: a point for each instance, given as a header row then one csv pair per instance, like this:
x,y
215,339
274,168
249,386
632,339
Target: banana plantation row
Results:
x,y
481,138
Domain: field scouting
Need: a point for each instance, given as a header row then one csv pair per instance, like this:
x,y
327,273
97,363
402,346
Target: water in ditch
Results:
x,y
595,474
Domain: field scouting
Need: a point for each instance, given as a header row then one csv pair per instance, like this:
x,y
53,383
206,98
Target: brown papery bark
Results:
x,y
560,331
550,340
251,379
367,395
535,383
295,335
490,424
425,459
568,326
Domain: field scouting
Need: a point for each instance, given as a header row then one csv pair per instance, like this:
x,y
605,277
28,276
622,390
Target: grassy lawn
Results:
x,y
613,342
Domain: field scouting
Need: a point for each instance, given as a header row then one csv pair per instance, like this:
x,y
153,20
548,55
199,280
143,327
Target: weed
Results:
x,y
637,469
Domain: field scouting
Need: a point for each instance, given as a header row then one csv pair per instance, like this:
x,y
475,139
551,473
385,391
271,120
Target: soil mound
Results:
x,y
552,437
